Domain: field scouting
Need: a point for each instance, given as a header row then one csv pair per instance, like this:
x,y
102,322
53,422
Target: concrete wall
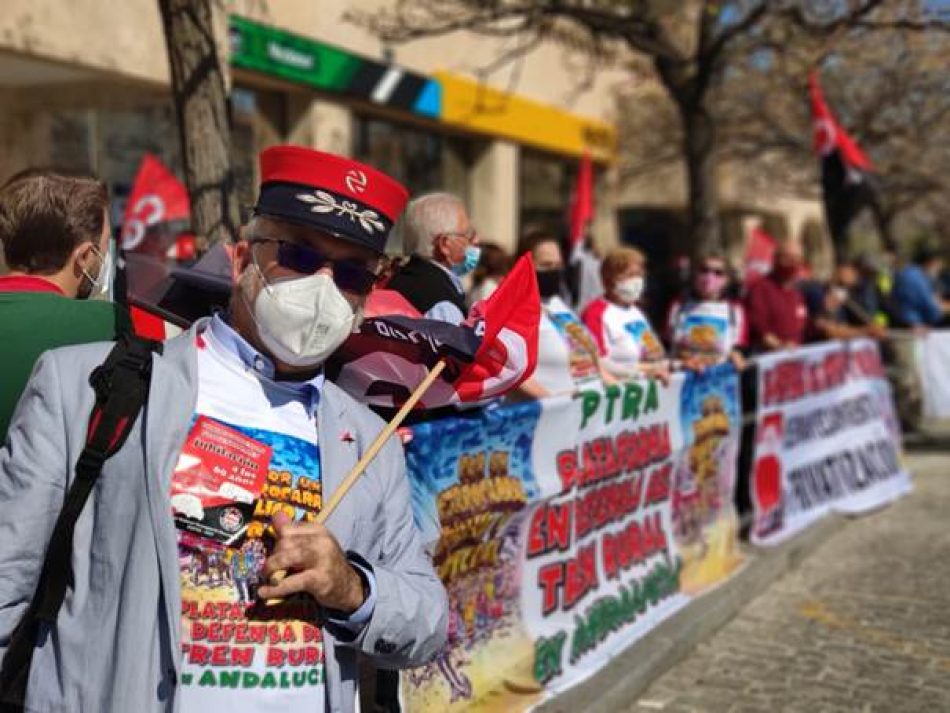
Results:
x,y
122,38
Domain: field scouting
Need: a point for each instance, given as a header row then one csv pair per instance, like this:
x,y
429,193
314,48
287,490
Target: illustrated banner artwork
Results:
x,y
566,529
933,366
827,438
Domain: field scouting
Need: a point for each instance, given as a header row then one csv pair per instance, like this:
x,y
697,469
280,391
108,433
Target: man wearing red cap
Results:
x,y
172,605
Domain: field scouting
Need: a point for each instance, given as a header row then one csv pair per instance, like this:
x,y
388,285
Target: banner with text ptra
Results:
x,y
827,438
566,529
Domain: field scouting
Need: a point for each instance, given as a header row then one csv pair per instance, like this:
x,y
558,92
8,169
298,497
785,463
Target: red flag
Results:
x,y
844,171
828,134
157,197
582,203
382,303
759,253
488,355
508,322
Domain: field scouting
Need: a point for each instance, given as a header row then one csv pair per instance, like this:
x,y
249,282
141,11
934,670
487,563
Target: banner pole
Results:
x,y
357,470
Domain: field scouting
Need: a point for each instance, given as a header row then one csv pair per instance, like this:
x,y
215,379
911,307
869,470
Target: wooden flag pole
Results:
x,y
368,456
380,441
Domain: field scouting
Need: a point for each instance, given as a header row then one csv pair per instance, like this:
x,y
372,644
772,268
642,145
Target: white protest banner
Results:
x,y
827,438
566,529
933,366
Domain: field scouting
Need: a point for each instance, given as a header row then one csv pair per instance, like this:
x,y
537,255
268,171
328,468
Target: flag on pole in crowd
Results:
x,y
486,356
759,253
582,204
585,264
845,168
155,229
157,198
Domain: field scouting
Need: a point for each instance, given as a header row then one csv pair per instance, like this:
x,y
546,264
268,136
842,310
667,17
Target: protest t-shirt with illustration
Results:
x,y
623,334
240,655
707,328
567,354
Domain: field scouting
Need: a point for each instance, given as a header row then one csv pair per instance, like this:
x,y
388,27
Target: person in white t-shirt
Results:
x,y
628,344
708,328
567,352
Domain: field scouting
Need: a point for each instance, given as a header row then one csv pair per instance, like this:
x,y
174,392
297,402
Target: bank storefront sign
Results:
x,y
268,50
452,99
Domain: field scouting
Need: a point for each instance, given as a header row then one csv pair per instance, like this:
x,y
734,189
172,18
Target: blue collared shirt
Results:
x,y
234,347
915,297
446,311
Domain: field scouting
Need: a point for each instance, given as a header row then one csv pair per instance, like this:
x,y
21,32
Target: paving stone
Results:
x,y
862,625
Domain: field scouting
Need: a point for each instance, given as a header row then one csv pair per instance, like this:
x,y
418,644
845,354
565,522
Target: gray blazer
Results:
x,y
116,645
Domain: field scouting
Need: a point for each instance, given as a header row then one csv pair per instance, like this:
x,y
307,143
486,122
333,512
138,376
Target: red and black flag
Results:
x,y
486,356
845,170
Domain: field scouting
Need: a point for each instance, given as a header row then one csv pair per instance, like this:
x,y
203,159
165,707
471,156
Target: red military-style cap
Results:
x,y
331,193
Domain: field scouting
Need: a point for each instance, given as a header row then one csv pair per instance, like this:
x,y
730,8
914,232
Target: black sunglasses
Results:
x,y
350,275
712,271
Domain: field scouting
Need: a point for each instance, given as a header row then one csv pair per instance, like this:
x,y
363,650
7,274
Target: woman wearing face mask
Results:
x,y
628,345
708,328
567,353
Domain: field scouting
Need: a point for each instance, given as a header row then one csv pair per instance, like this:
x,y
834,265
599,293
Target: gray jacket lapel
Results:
x,y
337,455
172,398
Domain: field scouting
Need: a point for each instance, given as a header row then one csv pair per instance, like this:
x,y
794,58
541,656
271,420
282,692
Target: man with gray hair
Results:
x,y
439,235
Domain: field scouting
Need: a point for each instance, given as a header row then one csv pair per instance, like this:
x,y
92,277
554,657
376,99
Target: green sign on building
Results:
x,y
297,59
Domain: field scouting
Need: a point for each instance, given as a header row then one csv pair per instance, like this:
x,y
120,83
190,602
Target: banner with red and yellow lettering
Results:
x,y
566,529
827,438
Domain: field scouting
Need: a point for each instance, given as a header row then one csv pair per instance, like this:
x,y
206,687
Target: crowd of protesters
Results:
x,y
715,314
301,278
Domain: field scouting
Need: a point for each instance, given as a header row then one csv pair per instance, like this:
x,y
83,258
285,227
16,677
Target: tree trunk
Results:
x,y
688,85
699,152
204,120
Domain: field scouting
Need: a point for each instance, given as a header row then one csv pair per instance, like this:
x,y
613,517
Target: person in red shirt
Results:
x,y
775,306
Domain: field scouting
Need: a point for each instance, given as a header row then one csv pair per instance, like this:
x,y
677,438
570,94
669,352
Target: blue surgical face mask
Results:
x,y
472,255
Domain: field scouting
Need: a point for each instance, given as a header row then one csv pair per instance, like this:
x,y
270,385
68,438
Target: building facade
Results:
x,y
84,85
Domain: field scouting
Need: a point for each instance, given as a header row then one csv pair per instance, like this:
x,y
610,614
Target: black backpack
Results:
x,y
121,384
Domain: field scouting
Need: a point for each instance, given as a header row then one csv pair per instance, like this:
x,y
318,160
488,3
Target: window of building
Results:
x,y
412,156
545,186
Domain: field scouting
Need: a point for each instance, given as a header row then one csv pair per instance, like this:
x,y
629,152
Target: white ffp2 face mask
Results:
x,y
101,284
629,290
302,321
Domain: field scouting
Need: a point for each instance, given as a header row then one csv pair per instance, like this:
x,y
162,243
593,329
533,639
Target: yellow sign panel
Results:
x,y
477,107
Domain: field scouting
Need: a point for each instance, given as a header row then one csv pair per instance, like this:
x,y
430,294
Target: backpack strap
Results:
x,y
121,384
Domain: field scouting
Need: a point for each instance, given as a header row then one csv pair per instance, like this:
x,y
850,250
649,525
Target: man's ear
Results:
x,y
438,247
240,254
81,257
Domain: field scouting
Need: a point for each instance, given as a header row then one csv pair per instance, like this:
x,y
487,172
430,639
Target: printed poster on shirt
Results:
x,y
580,344
219,475
644,336
827,438
566,529
239,654
708,330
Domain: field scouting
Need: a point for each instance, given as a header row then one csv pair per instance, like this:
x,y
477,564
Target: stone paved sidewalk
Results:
x,y
862,625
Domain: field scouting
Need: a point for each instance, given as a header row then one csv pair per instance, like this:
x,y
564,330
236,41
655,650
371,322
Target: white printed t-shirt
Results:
x,y
623,334
240,656
707,328
567,354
